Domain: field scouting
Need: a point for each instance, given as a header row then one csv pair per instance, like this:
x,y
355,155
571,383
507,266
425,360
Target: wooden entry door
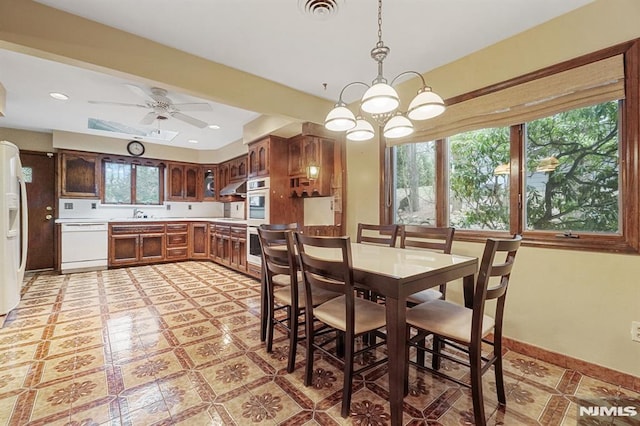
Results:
x,y
41,201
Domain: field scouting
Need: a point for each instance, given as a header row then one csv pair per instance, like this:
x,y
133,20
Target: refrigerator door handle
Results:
x,y
25,227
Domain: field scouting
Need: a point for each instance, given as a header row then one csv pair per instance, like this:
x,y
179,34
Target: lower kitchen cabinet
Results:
x,y
198,240
139,244
238,243
177,241
136,244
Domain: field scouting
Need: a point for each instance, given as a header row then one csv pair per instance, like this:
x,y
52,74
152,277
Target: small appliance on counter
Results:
x,y
13,226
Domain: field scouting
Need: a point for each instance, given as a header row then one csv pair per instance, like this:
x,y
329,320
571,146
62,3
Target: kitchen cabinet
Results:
x,y
209,183
198,240
80,175
305,150
184,182
223,176
238,249
222,239
131,244
177,241
258,158
238,168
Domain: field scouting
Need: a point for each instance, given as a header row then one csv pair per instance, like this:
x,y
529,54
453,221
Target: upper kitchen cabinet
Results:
x,y
209,188
184,182
238,168
313,152
80,175
258,158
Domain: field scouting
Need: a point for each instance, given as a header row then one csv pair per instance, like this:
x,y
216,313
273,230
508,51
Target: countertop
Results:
x,y
154,219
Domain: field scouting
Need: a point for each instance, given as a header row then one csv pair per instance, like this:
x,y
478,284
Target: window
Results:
x,y
127,182
572,176
552,155
415,191
478,188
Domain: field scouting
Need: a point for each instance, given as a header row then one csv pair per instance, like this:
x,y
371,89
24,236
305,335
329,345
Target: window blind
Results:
x,y
590,84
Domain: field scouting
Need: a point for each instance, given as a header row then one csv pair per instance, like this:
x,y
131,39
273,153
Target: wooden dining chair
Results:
x,y
467,328
284,288
377,234
279,280
430,238
347,316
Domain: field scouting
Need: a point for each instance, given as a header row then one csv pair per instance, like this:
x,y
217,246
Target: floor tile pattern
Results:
x,y
180,344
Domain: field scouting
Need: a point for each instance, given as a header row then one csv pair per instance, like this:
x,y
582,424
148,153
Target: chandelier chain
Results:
x,y
380,43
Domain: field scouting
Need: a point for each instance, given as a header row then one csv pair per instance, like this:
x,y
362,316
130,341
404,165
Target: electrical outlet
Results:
x,y
168,206
189,206
635,331
93,206
68,206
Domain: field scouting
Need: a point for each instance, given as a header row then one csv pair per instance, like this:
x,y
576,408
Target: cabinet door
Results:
x,y
191,182
209,181
152,247
212,243
123,250
223,175
263,159
176,182
252,161
80,175
242,254
295,157
198,241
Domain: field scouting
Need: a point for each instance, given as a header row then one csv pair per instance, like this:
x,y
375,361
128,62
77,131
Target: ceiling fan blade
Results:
x,y
187,119
117,104
193,106
149,118
138,91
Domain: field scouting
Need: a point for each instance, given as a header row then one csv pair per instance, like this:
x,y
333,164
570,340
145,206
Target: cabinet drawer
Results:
x,y
176,240
223,230
177,253
177,227
239,231
137,229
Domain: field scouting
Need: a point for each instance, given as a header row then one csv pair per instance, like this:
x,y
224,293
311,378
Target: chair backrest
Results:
x,y
278,255
280,226
428,237
490,267
377,234
325,263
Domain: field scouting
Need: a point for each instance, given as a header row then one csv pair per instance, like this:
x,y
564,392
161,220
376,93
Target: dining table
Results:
x,y
396,273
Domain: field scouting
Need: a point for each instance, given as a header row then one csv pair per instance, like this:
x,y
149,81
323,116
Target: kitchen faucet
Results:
x,y
137,213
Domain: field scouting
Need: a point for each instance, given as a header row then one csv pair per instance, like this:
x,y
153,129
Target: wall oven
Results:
x,y
257,214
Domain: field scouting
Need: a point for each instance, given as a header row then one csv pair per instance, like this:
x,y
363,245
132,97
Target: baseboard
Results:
x,y
599,372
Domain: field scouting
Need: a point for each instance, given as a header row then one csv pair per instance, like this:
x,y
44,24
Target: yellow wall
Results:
x,y
576,303
27,140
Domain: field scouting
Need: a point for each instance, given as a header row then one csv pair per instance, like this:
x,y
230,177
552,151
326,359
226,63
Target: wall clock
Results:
x,y
135,148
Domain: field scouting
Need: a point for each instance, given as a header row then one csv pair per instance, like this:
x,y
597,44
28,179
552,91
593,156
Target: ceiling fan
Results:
x,y
162,107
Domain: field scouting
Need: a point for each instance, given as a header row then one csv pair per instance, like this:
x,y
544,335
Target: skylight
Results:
x,y
128,131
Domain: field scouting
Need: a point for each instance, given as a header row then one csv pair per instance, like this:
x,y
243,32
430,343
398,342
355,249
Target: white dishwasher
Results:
x,y
84,247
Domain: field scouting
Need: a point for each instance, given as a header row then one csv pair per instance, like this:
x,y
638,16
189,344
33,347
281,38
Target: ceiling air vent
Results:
x,y
319,9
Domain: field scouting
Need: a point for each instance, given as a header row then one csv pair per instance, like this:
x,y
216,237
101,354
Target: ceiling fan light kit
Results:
x,y
381,101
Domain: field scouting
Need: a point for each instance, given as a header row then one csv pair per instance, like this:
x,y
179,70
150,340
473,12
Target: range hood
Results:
x,y
235,188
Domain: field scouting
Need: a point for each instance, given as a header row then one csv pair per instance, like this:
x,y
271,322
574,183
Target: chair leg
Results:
x,y
420,353
270,316
476,386
294,316
406,361
497,365
340,344
348,375
308,328
437,347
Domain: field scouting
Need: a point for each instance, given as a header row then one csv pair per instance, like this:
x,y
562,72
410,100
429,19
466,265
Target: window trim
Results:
x,y
628,240
138,161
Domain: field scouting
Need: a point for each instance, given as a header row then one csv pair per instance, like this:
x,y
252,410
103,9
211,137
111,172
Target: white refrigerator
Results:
x,y
13,226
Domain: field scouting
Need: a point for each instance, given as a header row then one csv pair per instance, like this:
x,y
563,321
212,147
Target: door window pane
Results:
x,y
414,182
572,175
117,183
478,184
147,188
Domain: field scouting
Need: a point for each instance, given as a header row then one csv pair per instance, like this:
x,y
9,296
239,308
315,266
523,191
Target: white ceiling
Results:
x,y
271,39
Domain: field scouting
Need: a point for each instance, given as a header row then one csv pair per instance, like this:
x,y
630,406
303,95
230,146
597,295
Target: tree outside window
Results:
x,y
415,194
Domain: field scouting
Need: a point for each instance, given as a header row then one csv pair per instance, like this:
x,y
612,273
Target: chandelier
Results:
x,y
381,101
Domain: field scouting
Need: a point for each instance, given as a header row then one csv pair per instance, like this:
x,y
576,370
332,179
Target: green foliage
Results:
x,y
480,199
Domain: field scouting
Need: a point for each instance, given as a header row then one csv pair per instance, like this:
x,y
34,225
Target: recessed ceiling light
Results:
x,y
214,126
192,141
59,96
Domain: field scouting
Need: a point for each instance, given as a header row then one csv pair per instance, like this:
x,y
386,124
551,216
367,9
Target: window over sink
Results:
x,y
132,182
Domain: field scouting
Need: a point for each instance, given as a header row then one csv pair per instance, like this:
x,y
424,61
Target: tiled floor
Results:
x,y
179,344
